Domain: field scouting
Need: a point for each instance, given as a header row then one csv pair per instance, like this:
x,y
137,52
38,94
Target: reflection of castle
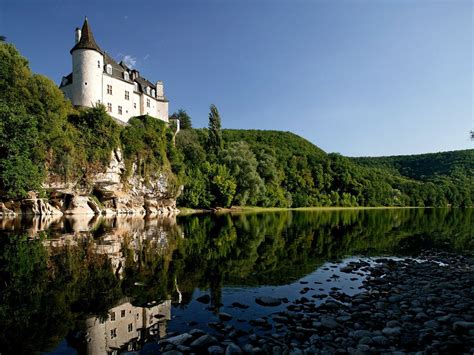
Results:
x,y
126,327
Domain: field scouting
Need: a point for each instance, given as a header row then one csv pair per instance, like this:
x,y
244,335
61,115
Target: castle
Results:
x,y
97,78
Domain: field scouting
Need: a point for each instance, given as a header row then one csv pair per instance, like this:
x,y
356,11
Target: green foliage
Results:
x,y
99,135
184,119
243,165
19,172
281,169
215,143
222,185
144,142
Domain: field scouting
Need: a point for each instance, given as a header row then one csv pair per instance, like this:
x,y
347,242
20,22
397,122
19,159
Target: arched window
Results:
x,y
109,69
153,92
148,90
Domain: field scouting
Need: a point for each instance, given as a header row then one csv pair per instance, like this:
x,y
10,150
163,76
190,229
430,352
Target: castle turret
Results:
x,y
87,68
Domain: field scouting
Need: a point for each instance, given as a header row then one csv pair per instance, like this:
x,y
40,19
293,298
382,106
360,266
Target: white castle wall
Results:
x,y
118,98
87,68
137,100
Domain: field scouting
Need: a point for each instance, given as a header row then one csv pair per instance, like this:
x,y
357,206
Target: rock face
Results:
x,y
111,192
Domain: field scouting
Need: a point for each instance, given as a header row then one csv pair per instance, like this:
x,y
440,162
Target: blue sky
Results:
x,y
355,77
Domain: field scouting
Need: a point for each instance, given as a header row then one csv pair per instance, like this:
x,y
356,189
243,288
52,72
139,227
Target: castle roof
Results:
x,y
87,40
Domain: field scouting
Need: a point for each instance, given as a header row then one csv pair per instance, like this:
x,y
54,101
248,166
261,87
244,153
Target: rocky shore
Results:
x,y
423,305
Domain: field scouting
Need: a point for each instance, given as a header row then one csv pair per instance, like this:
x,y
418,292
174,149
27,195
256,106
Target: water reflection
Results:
x,y
126,328
67,278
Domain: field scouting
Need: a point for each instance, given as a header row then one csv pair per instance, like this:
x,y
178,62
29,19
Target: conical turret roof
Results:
x,y
87,40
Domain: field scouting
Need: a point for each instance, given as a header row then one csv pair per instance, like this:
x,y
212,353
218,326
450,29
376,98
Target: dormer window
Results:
x,y
148,90
153,92
109,69
126,76
135,86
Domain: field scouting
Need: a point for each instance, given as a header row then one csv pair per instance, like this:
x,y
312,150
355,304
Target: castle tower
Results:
x,y
87,68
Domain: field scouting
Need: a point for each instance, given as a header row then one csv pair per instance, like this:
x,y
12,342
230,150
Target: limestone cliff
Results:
x,y
111,192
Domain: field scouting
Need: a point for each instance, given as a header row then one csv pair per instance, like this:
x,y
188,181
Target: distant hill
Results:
x,y
425,166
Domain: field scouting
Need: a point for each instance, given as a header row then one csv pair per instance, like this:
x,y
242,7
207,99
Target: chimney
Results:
x,y
159,89
78,34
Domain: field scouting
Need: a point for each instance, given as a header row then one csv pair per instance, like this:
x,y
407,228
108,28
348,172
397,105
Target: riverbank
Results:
x,y
185,211
407,305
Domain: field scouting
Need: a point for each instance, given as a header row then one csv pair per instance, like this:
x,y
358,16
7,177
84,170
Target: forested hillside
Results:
x,y
425,166
270,168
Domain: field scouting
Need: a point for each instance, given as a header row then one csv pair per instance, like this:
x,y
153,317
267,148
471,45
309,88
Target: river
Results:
x,y
95,285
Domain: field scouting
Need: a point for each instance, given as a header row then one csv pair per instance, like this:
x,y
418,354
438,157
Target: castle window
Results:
x,y
134,105
113,333
98,64
127,95
125,75
122,314
109,109
109,69
147,102
120,112
109,89
112,316
130,327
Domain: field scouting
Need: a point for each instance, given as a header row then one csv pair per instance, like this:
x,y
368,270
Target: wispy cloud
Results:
x,y
129,60
146,57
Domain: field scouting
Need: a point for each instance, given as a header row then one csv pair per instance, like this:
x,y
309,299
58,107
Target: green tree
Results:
x,y
215,132
19,172
222,186
184,119
242,165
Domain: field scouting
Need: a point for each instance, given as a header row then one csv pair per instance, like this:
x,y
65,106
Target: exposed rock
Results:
x,y
204,299
79,205
232,349
268,301
224,316
32,206
178,339
203,341
5,212
109,192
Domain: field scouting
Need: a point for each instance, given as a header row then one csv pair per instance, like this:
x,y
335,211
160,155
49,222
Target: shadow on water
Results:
x,y
62,278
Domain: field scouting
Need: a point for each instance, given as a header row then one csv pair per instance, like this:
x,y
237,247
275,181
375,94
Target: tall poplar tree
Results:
x,y
215,132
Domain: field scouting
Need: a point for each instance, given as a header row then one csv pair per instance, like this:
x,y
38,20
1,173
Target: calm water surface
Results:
x,y
111,285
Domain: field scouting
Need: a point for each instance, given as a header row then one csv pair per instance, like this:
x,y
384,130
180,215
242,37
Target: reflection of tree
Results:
x,y
42,291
